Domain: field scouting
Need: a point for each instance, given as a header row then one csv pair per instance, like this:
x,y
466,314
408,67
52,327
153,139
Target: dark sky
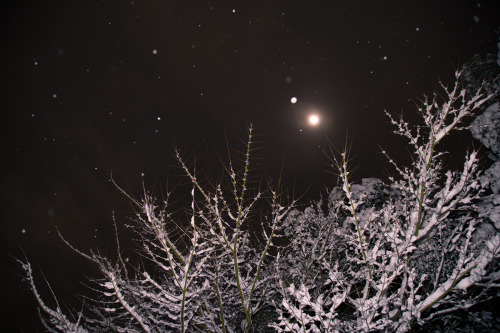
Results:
x,y
94,87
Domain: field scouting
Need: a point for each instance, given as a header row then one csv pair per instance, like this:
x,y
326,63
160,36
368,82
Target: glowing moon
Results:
x,y
313,120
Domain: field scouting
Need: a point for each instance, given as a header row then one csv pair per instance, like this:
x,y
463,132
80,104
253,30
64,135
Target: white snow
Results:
x,y
491,178
486,128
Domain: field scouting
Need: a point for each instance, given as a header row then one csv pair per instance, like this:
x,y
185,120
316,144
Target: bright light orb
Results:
x,y
293,100
313,120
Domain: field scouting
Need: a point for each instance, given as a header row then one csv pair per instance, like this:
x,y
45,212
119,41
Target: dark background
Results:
x,y
90,88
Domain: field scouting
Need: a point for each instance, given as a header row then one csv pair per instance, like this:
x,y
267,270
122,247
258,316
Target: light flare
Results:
x,y
313,120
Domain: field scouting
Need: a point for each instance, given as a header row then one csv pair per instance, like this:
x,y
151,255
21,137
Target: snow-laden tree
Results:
x,y
211,278
383,257
407,261
485,72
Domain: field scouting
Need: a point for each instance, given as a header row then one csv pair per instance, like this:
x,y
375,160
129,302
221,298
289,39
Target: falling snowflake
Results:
x,y
155,51
293,100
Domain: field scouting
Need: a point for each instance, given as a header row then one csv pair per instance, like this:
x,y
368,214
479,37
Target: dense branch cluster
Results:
x,y
381,257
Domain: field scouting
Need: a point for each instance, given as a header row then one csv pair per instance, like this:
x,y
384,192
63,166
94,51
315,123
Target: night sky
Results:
x,y
94,88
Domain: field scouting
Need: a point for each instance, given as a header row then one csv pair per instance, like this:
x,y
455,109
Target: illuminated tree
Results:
x,y
209,279
382,257
410,262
